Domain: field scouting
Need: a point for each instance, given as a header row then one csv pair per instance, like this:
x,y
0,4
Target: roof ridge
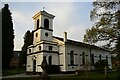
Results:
x,y
80,43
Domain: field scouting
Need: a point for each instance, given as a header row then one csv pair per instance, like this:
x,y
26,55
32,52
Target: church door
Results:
x,y
34,66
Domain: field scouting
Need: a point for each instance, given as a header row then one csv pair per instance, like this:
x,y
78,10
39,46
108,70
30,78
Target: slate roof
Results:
x,y
80,44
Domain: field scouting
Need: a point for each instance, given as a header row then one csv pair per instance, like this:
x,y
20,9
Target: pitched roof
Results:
x,y
80,43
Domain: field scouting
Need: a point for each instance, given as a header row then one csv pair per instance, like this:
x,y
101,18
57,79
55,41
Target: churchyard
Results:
x,y
113,75
101,72
47,53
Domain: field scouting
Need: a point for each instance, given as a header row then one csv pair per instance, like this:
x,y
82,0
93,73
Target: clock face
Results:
x,y
46,34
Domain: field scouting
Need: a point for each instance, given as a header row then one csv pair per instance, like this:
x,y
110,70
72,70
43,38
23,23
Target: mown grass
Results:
x,y
12,72
91,76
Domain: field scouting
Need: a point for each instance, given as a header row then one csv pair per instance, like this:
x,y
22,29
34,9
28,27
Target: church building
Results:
x,y
69,55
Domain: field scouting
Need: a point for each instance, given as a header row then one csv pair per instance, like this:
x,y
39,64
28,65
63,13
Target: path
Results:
x,y
25,75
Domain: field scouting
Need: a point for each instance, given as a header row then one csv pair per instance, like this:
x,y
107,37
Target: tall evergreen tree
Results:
x,y
7,36
28,40
105,27
118,39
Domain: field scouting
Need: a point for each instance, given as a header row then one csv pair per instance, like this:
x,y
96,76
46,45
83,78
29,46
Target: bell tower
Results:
x,y
43,44
43,27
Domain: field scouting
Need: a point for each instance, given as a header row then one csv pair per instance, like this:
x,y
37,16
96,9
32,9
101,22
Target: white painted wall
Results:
x,y
78,59
29,63
38,62
47,38
35,22
36,39
62,60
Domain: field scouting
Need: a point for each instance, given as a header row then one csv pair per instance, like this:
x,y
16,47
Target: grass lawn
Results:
x,y
91,76
12,72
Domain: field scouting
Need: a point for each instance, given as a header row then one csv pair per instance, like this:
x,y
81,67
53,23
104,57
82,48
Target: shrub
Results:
x,y
53,69
100,65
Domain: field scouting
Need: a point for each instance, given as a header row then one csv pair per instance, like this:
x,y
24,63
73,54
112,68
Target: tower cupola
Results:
x,y
43,27
44,20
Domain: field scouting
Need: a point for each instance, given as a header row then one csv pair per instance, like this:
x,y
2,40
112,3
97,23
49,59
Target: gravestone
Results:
x,y
106,76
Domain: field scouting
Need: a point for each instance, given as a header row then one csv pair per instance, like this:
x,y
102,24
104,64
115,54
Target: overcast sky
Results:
x,y
73,17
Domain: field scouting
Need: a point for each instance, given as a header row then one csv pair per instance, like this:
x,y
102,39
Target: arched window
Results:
x,y
72,58
100,57
37,23
36,34
83,58
46,24
39,47
92,58
50,60
29,50
107,60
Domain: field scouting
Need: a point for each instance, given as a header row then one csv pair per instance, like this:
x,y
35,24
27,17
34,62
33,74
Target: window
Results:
x,y
92,59
100,57
34,65
39,47
50,48
83,58
36,34
72,58
46,23
29,50
37,23
50,60
107,60
46,34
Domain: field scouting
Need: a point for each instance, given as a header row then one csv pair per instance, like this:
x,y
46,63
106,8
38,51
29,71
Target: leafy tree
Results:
x,y
118,39
118,49
106,24
116,60
7,36
28,39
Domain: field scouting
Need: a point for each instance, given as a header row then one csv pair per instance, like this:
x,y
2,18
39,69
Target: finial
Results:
x,y
43,8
